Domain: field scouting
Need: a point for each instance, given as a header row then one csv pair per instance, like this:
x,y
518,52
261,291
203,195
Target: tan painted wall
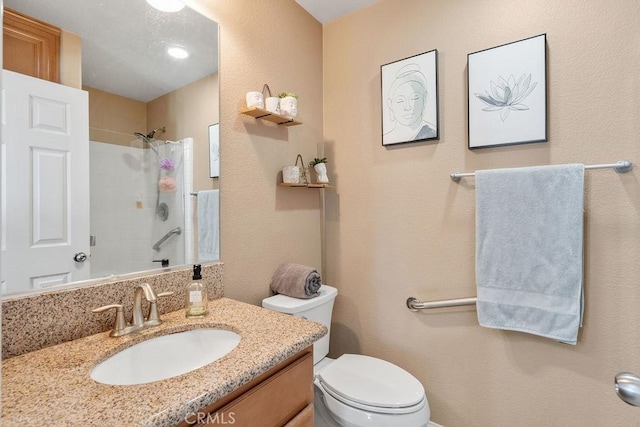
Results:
x,y
262,225
70,59
399,227
113,118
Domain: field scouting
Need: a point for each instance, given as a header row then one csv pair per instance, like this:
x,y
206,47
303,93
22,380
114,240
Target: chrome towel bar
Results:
x,y
414,304
622,166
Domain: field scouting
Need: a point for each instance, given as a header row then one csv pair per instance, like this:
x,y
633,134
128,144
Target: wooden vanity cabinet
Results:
x,y
282,396
31,47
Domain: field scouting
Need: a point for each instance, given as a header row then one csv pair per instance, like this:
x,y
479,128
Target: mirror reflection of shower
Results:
x,y
162,209
150,182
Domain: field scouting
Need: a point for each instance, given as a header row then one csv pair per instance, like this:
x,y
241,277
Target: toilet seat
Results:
x,y
372,385
331,412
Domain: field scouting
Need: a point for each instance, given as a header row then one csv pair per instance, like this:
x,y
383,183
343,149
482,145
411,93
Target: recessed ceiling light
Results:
x,y
167,5
178,52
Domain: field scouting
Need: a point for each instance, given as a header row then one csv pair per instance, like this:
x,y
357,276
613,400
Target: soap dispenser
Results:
x,y
197,298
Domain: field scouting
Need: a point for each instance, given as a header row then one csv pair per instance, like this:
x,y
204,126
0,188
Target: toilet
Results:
x,y
355,390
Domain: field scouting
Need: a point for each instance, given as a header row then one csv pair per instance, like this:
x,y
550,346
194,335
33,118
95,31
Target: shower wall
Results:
x,y
123,209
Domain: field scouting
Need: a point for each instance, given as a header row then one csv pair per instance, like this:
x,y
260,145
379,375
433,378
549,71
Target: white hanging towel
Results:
x,y
208,225
529,242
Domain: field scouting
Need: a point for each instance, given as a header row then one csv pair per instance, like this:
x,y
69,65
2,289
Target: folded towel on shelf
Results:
x,y
529,242
296,280
208,225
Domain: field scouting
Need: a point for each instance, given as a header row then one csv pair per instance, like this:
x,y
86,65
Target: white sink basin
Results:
x,y
165,356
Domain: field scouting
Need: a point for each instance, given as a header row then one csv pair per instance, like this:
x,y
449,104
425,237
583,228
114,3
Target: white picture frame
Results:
x,y
214,150
507,98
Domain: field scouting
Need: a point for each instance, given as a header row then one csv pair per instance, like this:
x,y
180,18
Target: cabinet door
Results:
x,y
303,419
31,47
275,401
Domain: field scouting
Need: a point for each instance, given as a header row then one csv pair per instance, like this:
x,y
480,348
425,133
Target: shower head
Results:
x,y
141,137
150,137
151,134
147,138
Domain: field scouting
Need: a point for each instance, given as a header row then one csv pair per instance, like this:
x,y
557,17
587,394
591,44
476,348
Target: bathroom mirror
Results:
x,y
149,124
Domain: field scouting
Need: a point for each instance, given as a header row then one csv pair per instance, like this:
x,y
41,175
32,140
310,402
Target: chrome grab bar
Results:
x,y
622,166
414,304
164,238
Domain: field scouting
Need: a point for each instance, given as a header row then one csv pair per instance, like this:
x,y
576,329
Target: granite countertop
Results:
x,y
52,386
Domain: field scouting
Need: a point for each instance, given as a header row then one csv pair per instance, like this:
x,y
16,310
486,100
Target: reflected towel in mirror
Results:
x,y
208,226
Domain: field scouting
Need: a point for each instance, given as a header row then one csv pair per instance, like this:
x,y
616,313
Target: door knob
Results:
x,y
80,257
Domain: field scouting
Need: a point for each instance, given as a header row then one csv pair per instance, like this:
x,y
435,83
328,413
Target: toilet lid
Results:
x,y
371,382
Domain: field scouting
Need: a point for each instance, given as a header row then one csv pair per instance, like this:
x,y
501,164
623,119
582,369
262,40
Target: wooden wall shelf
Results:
x,y
260,113
303,185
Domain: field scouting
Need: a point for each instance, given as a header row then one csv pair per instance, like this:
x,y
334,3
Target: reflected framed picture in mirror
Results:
x,y
214,150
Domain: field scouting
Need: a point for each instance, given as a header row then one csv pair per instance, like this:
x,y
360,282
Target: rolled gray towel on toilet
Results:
x,y
296,280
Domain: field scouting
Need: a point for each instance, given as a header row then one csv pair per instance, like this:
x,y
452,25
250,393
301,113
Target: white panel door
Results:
x,y
45,176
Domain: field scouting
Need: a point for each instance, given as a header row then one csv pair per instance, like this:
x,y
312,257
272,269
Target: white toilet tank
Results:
x,y
318,309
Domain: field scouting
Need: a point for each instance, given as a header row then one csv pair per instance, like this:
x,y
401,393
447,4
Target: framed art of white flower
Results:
x,y
507,94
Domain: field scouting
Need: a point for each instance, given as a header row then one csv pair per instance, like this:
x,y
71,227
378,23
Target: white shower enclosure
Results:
x,y
141,207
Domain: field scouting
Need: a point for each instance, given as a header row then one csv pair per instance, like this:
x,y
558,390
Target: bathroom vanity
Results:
x,y
266,380
281,396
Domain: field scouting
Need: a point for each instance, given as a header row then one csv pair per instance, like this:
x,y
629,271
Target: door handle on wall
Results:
x,y
628,388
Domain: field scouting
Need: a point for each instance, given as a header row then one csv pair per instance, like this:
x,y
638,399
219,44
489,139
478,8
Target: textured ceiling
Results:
x,y
124,43
329,10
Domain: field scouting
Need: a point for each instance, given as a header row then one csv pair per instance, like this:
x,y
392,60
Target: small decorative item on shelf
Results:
x,y
296,176
271,103
288,104
255,99
303,170
291,174
274,104
320,166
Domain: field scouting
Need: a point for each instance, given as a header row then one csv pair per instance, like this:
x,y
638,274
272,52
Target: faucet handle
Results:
x,y
154,314
119,324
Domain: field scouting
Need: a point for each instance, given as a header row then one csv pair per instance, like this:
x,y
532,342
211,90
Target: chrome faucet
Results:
x,y
138,320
